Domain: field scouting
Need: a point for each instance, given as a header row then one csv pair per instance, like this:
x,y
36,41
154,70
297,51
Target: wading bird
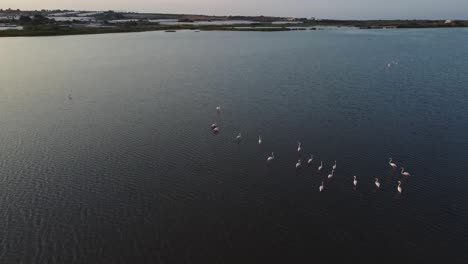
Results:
x,y
271,158
298,164
404,173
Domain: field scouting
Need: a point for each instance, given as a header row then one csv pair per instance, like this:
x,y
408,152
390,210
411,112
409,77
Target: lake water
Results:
x,y
11,28
69,18
197,23
206,23
128,170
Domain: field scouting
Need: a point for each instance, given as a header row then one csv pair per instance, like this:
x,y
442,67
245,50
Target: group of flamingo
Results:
x,y
270,159
355,182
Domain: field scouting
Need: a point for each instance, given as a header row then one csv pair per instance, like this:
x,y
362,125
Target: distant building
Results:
x,y
448,21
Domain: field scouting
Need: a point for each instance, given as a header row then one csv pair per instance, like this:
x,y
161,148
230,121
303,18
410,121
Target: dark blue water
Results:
x,y
128,171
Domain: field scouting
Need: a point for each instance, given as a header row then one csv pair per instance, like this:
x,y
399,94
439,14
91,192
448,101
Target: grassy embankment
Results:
x,y
53,30
389,23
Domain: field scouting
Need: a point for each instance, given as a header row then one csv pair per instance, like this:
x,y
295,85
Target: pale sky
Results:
x,y
340,9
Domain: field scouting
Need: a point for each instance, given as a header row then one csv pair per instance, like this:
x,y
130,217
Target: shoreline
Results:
x,y
39,24
240,28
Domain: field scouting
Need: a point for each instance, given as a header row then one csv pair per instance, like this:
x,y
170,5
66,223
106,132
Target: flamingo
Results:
x,y
299,147
394,166
377,183
354,181
218,108
321,187
216,130
214,125
399,187
321,166
404,173
259,140
331,174
271,158
310,159
298,164
334,166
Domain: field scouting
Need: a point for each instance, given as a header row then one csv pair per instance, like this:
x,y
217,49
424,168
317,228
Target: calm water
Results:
x,y
128,171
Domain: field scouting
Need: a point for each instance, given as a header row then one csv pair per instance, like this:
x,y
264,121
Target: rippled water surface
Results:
x,y
128,171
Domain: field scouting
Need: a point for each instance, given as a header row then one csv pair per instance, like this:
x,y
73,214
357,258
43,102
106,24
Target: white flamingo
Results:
x,y
218,108
259,140
404,173
377,183
331,174
214,125
321,187
393,165
299,147
310,159
321,166
239,137
216,130
298,164
355,181
334,166
399,187
271,158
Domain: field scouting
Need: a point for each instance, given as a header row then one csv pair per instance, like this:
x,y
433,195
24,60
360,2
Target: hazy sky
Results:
x,y
352,9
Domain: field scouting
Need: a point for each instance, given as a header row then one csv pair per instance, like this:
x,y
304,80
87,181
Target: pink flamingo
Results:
x,y
404,173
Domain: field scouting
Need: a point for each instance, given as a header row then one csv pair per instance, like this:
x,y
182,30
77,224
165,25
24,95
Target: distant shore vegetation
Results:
x,y
69,22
